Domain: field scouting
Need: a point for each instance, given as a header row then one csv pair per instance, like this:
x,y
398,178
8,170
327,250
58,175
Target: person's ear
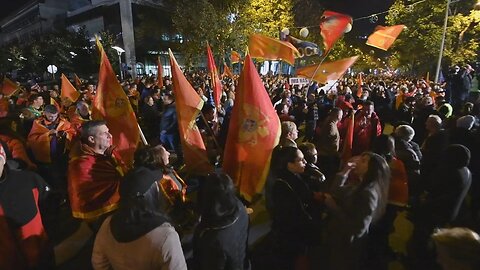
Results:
x,y
91,139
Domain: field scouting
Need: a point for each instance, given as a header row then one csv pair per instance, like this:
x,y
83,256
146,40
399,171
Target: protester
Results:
x,y
457,248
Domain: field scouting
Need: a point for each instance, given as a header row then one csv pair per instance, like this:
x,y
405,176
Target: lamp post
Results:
x,y
442,44
119,52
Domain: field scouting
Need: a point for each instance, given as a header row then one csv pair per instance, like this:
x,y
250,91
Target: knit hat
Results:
x,y
466,122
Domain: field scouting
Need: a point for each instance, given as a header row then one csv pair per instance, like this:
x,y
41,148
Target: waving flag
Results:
x,y
260,46
332,26
159,73
327,71
8,87
216,84
111,104
78,82
68,91
189,104
384,36
235,57
227,71
253,133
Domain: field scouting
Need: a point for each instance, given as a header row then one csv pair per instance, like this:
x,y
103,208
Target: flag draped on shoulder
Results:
x,y
253,133
235,57
327,71
260,46
111,104
216,84
332,26
384,36
8,87
159,73
188,104
68,91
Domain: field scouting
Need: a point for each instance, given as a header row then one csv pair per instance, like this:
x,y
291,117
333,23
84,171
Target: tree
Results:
x,y
418,45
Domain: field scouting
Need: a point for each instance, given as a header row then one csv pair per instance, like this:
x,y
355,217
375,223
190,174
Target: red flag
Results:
x,y
189,104
8,87
235,57
327,71
55,103
227,71
348,140
260,46
216,84
332,26
111,104
159,73
253,133
68,91
384,36
78,82
360,85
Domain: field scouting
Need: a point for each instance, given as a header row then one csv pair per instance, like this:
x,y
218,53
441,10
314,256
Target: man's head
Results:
x,y
289,130
95,134
167,99
82,108
457,248
433,123
36,100
405,132
368,108
336,114
51,113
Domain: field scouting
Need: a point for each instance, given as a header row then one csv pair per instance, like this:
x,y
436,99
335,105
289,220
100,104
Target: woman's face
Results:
x,y
298,165
362,165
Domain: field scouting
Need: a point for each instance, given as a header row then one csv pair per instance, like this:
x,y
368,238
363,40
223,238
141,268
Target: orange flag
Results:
x,y
159,73
360,85
216,84
68,91
260,46
235,57
327,71
189,104
227,71
253,133
55,103
111,104
8,87
78,82
384,36
348,140
332,26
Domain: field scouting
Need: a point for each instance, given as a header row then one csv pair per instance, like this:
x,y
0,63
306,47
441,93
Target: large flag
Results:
x,y
332,26
111,104
78,82
227,71
260,46
348,140
8,87
216,84
159,73
253,133
189,105
68,91
384,36
235,57
327,71
359,85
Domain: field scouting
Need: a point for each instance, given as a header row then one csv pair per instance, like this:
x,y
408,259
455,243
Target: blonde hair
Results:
x,y
461,244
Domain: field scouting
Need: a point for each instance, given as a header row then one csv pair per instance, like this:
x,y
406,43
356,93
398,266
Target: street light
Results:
x,y
119,52
442,45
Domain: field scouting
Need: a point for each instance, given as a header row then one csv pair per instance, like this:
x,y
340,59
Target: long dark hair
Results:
x,y
287,155
378,178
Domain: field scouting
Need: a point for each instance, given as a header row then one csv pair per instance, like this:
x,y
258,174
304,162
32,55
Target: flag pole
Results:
x,y
142,136
211,132
319,64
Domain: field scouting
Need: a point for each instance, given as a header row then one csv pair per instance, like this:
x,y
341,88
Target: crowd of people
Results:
x,y
351,158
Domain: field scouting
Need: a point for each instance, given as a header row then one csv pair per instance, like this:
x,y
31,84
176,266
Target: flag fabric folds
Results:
x,y
159,73
332,26
260,46
189,104
384,36
112,105
360,85
327,71
9,87
216,84
67,90
235,57
227,71
253,133
78,82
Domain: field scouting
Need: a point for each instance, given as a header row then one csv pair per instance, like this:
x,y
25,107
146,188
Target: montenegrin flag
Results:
x,y
216,84
189,104
68,91
384,36
260,46
159,73
8,87
253,133
332,26
327,71
111,104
